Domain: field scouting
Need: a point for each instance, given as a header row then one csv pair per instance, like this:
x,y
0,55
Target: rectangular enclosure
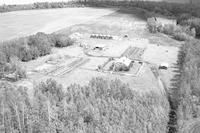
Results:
x,y
134,53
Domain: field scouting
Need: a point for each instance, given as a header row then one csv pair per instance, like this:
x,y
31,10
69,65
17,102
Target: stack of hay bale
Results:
x,y
101,36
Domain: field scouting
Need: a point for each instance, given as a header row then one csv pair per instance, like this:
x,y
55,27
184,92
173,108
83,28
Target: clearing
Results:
x,y
116,34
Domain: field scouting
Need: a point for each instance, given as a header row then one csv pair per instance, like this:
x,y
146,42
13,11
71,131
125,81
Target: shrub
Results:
x,y
182,19
119,67
41,42
63,41
181,33
181,36
195,23
153,25
12,48
3,62
169,29
52,90
3,59
25,53
187,94
14,70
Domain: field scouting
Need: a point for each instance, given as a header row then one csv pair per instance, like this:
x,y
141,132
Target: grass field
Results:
x,y
23,23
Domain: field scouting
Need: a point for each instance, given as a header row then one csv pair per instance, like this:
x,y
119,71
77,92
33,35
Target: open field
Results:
x,y
23,23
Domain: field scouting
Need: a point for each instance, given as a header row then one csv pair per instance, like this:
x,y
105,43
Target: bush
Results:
x,y
25,53
182,19
181,36
52,90
170,29
117,67
153,25
3,62
41,42
3,59
14,70
195,23
187,94
179,32
63,41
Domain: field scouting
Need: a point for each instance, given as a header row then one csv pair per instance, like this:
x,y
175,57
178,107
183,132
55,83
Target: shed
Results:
x,y
164,66
124,60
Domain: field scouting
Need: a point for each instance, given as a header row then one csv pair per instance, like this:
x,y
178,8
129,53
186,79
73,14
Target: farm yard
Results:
x,y
81,62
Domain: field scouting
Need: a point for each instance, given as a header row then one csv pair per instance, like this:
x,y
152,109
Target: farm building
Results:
x,y
121,64
164,66
124,60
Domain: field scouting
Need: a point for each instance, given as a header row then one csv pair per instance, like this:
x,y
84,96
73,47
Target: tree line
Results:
x,y
39,5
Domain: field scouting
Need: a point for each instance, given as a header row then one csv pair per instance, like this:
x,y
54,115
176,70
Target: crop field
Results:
x,y
23,23
134,53
64,69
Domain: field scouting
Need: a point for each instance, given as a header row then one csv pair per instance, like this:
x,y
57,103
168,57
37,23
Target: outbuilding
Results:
x,y
164,66
124,60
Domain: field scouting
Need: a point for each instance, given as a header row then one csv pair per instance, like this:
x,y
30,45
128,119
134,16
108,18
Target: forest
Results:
x,y
187,97
101,106
39,5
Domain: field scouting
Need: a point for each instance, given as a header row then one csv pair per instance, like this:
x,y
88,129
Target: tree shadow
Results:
x,y
129,8
174,93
